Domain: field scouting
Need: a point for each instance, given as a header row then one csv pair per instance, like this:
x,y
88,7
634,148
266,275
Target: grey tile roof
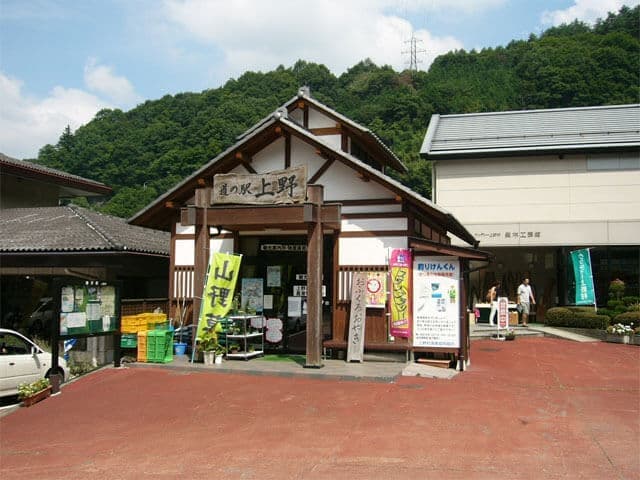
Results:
x,y
533,131
75,229
53,175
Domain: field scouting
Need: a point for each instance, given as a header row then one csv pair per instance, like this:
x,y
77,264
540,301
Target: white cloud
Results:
x,y
28,123
259,36
587,11
101,79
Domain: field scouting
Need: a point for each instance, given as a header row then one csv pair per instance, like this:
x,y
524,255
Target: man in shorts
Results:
x,y
525,297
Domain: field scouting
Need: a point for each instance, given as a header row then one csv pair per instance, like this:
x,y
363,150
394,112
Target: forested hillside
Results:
x,y
145,151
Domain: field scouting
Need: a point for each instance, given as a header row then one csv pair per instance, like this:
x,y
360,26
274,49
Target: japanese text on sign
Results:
x,y
279,186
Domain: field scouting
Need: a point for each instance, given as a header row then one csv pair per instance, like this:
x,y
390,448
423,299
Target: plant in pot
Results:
x,y
619,333
207,344
31,393
220,351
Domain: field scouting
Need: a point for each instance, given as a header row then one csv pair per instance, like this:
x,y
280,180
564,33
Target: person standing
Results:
x,y
494,293
525,298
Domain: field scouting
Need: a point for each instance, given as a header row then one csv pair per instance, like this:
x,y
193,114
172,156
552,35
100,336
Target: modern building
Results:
x,y
534,185
360,212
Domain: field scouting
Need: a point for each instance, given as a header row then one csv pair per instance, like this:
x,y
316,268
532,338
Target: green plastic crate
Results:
x,y
159,346
129,340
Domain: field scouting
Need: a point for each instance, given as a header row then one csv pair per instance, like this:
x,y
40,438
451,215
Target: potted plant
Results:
x,y
510,334
619,333
234,348
31,393
207,344
220,351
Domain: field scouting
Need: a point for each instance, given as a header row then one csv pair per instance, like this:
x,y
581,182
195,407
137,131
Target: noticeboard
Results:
x,y
87,308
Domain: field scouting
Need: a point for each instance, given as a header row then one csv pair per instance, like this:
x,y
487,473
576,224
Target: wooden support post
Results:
x,y
315,194
464,317
201,251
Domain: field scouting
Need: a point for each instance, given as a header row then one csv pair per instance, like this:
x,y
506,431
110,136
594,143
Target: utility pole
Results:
x,y
413,53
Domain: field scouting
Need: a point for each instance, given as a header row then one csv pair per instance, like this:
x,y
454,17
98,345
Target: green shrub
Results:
x,y
567,317
628,318
580,309
617,306
630,300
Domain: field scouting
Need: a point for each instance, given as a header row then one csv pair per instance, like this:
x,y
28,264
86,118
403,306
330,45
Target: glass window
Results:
x,y
11,344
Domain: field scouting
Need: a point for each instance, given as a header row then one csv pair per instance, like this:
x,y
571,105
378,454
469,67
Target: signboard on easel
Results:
x,y
503,313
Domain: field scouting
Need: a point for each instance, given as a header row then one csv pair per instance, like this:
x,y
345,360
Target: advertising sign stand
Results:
x,y
503,317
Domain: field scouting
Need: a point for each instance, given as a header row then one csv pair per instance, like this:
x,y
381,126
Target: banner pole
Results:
x,y
202,298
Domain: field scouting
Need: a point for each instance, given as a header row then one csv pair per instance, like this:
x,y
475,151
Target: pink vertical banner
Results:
x,y
400,270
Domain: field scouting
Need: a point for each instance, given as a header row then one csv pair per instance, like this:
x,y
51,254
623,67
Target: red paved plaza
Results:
x,y
530,409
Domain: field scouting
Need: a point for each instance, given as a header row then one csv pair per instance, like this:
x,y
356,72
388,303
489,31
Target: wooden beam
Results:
x,y
202,182
287,150
320,131
321,170
169,204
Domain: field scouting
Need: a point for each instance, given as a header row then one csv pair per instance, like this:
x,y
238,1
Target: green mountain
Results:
x,y
145,151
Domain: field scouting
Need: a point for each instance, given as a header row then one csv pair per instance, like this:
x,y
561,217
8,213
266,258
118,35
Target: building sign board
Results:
x,y
436,302
275,187
355,348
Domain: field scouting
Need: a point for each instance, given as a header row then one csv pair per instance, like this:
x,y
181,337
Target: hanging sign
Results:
x,y
581,260
376,289
436,302
220,286
278,186
400,267
355,348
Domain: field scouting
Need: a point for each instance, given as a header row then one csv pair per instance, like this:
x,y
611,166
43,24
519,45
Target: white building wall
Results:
x,y
368,250
342,183
542,200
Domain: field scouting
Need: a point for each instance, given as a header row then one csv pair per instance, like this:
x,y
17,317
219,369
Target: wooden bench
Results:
x,y
369,346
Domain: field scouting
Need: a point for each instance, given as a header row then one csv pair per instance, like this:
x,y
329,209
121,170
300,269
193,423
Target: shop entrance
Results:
x,y
279,264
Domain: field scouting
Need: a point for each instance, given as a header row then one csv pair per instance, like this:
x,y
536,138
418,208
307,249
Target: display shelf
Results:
x,y
244,339
245,355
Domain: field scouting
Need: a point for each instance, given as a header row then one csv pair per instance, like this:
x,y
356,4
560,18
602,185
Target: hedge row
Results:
x,y
628,318
575,317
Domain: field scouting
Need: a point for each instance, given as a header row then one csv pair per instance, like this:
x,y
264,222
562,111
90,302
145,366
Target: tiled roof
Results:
x,y
75,229
52,175
534,131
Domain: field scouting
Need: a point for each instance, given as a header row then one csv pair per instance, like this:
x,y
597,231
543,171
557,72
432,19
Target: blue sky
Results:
x,y
63,60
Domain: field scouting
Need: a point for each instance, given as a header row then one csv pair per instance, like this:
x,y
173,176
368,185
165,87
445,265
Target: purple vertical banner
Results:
x,y
400,268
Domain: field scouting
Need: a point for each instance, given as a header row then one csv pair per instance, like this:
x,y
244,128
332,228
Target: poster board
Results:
x,y
91,307
355,347
436,302
503,313
252,294
376,289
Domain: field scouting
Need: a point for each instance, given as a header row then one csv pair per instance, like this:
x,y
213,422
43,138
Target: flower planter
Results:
x,y
209,357
617,338
634,339
36,397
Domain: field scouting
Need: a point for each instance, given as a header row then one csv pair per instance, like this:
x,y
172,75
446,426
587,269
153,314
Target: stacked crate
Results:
x,y
152,334
142,346
159,346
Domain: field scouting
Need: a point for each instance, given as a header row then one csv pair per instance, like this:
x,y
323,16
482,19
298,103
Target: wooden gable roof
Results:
x,y
161,212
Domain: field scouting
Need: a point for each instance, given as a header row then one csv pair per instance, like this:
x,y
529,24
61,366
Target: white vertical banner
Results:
x,y
436,302
355,347
503,313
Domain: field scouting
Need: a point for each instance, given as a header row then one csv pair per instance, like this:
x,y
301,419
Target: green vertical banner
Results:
x,y
220,286
581,260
